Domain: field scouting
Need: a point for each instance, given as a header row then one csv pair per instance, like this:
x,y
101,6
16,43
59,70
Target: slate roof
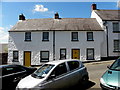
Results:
x,y
65,24
108,14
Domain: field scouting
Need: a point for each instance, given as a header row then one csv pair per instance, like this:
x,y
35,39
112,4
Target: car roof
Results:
x,y
62,61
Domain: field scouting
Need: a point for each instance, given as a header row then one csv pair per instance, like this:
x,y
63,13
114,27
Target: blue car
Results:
x,y
110,80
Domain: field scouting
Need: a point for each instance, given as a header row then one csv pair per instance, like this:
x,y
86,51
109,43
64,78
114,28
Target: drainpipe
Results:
x,y
54,45
106,27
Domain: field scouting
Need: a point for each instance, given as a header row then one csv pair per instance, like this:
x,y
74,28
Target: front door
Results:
x,y
75,53
27,58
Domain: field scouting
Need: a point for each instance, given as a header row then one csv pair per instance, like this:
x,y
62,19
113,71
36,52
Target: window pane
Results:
x,y
90,54
44,56
74,35
116,26
45,35
15,56
116,45
28,36
62,53
89,35
60,69
73,65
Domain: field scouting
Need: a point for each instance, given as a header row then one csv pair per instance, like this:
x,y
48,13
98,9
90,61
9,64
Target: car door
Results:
x,y
58,78
7,77
19,73
75,73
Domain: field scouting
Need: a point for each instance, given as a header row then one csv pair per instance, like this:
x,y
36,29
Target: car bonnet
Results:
x,y
112,78
29,82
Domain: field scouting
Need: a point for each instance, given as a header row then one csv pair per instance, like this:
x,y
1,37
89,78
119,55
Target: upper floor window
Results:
x,y
27,36
45,36
116,45
15,56
89,36
74,36
116,27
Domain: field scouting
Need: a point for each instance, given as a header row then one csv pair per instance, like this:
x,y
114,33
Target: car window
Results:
x,y
73,65
60,69
42,71
115,65
7,70
19,69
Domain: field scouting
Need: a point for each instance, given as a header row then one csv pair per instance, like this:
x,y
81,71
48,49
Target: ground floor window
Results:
x,y
62,54
44,56
15,56
90,54
116,45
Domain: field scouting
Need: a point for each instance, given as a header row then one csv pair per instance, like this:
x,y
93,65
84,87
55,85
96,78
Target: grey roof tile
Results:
x,y
57,24
109,14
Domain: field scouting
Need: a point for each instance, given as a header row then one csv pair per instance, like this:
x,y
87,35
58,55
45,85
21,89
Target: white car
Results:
x,y
54,75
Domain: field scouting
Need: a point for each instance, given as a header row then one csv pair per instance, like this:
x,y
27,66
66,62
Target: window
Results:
x,y
116,45
73,65
89,36
62,54
45,36
27,36
44,56
74,36
116,27
15,56
60,69
8,70
90,54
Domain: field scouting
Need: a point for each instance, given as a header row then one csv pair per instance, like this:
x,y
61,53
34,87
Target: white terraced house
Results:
x,y
36,41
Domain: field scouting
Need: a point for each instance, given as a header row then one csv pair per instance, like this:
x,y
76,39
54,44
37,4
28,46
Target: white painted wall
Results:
x,y
62,39
16,42
112,36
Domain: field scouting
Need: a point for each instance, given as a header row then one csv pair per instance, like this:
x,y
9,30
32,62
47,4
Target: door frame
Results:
x,y
72,52
24,57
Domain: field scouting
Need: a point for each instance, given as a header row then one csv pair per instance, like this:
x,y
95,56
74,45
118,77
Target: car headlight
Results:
x,y
103,82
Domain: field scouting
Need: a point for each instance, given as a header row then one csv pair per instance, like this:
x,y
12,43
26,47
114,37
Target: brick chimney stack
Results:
x,y
21,17
56,15
94,7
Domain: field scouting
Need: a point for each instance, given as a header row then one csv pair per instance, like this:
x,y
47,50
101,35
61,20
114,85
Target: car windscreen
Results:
x,y
116,65
42,71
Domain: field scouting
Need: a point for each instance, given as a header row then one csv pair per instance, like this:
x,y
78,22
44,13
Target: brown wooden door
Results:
x,y
27,58
75,54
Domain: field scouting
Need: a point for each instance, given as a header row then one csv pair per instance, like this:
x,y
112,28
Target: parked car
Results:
x,y
54,75
12,74
110,80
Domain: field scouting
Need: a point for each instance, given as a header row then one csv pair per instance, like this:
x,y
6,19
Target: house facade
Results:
x,y
109,20
36,41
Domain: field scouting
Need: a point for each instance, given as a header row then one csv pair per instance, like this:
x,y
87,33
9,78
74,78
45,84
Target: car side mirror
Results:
x,y
108,66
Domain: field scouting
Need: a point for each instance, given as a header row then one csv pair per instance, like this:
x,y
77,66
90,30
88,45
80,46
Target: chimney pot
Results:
x,y
56,16
94,7
21,17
